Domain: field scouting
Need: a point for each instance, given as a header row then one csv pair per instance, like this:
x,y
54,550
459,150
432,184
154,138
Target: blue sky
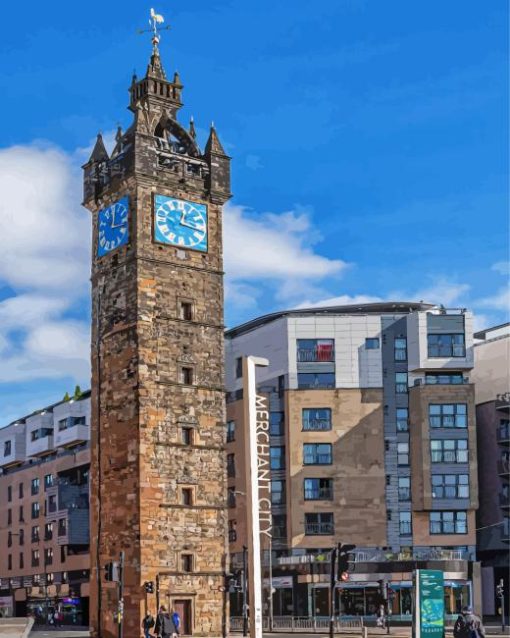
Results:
x,y
369,146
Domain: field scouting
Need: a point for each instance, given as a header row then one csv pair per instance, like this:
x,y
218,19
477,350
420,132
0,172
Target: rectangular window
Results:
x,y
34,487
279,530
449,450
401,382
48,531
231,431
9,562
231,496
52,503
62,527
317,419
21,514
35,558
318,489
315,350
62,425
444,378
232,531
405,524
187,436
404,488
400,349
20,490
231,466
372,343
35,510
316,381
9,493
9,516
277,455
402,419
450,485
187,496
9,539
186,310
62,553
448,415
48,481
187,563
21,536
186,375
41,433
239,368
447,345
276,424
448,522
403,453
7,448
48,556
319,524
35,534
317,454
21,560
278,492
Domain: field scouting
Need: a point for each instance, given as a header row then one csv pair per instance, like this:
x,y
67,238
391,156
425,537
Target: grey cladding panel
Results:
x,y
445,324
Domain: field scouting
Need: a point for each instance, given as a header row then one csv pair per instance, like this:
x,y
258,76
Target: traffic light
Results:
x,y
149,587
500,590
343,561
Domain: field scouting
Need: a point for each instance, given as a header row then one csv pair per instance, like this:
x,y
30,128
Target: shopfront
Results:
x,y
6,606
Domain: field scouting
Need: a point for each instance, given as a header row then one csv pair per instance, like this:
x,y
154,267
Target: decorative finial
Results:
x,y
192,131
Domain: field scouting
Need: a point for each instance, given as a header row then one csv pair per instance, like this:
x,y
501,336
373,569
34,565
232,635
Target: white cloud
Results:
x,y
45,248
276,249
442,291
503,267
498,301
341,300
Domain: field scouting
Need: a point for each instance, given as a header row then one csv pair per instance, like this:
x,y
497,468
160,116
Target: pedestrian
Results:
x,y
468,625
147,624
381,617
165,626
176,619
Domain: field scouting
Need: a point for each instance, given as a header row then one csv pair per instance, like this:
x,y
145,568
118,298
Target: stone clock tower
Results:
x,y
158,486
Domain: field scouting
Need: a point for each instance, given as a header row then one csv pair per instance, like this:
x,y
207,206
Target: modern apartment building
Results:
x,y
492,394
44,512
373,442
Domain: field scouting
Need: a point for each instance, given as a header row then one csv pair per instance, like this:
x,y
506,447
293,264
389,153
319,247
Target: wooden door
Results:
x,y
183,608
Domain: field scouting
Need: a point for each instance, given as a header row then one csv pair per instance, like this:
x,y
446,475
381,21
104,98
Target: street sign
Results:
x,y
429,588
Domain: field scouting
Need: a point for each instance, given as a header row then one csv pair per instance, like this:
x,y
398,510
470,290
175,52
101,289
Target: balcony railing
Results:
x,y
503,434
504,500
319,354
319,494
404,493
316,424
504,466
319,529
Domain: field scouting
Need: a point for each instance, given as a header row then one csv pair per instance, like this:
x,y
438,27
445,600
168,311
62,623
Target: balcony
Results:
x,y
503,402
319,529
316,355
320,494
316,425
40,442
504,500
504,467
503,433
12,451
72,434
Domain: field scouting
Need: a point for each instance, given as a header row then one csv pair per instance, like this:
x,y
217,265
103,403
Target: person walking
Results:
x,y
176,619
165,626
147,624
468,625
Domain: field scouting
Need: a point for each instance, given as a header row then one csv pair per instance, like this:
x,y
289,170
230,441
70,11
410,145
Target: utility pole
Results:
x,y
157,594
245,591
121,593
388,607
332,583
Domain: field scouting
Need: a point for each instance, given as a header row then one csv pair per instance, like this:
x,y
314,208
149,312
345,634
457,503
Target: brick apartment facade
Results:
x,y
44,512
373,442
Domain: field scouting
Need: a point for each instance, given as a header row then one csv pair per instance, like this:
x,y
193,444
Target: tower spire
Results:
x,y
155,68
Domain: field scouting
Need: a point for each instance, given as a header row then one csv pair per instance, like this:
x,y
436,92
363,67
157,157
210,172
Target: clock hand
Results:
x,y
191,225
113,224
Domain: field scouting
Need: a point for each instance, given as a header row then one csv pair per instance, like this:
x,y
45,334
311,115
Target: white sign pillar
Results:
x,y
252,419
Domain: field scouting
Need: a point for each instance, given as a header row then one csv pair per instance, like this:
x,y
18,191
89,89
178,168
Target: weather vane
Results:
x,y
155,20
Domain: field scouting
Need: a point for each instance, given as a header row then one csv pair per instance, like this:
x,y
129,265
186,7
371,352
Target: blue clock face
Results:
x,y
113,228
180,223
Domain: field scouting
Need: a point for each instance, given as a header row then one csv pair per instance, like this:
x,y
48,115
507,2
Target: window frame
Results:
x,y
400,349
281,457
317,454
454,451
401,387
438,419
405,527
446,350
305,419
372,343
438,519
442,487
